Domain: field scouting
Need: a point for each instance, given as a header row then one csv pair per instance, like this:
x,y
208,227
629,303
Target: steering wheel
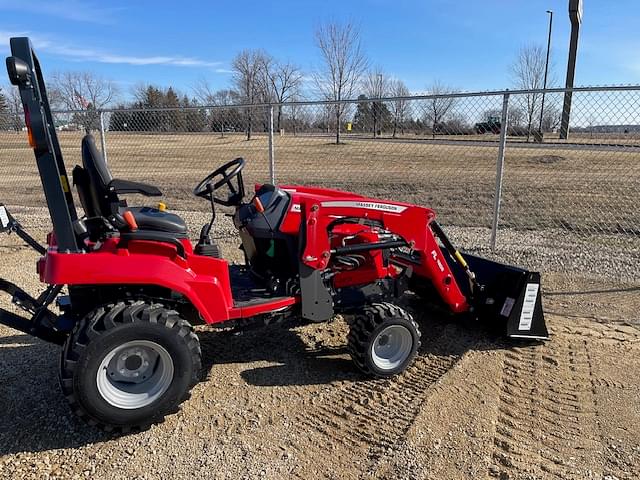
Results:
x,y
228,172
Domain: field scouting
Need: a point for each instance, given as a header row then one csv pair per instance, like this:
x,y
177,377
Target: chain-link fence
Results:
x,y
493,165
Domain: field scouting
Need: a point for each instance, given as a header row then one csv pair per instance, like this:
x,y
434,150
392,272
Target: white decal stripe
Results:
x,y
528,306
535,337
384,207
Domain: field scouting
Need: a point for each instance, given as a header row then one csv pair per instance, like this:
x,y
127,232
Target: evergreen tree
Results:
x,y
363,118
174,118
121,120
370,115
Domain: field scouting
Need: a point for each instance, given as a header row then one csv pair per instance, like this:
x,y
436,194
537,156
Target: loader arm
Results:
x,y
409,223
496,293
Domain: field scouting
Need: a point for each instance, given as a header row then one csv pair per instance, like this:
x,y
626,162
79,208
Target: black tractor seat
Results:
x,y
149,218
98,192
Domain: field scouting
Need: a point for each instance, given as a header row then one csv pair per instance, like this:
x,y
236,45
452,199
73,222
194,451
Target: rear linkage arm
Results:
x,y
9,224
43,323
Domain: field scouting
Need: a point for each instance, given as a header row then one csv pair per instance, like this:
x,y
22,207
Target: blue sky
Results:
x,y
466,44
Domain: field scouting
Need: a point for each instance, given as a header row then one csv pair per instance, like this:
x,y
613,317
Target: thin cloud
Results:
x,y
65,9
80,54
83,54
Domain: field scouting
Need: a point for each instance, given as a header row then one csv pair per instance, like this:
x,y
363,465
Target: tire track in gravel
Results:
x,y
610,355
370,417
546,425
374,414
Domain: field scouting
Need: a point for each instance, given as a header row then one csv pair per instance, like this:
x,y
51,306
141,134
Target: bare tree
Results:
x,y
591,122
528,74
248,76
299,115
224,118
551,118
14,106
204,92
284,80
439,106
376,86
85,92
399,106
344,63
5,116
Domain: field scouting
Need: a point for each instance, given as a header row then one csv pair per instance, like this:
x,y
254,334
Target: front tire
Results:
x,y
383,340
128,364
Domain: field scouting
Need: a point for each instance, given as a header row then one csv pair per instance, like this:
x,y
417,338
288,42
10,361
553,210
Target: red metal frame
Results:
x,y
205,281
320,207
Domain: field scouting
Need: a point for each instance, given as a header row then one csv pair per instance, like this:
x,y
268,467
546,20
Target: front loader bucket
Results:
x,y
510,295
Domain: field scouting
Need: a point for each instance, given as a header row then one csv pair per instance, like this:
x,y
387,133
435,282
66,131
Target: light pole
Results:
x,y
546,71
575,15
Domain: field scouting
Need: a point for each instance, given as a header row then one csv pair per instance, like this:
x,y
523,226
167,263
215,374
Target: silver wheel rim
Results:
x,y
391,347
134,374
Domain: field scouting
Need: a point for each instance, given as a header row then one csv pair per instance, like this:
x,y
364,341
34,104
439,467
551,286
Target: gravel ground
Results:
x,y
287,402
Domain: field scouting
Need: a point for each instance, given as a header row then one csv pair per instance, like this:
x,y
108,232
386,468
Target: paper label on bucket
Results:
x,y
4,218
528,306
507,306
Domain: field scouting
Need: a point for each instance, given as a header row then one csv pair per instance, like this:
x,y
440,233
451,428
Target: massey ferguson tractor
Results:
x,y
124,284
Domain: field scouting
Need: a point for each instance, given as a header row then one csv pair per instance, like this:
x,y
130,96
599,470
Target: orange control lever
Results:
x,y
131,220
258,205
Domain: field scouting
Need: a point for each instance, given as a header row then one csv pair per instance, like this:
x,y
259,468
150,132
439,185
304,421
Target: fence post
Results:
x,y
272,164
103,140
500,169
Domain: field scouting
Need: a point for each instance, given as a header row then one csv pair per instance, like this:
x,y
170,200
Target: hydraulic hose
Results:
x,y
455,253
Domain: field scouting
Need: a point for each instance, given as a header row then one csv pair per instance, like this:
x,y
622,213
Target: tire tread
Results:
x,y
365,323
105,318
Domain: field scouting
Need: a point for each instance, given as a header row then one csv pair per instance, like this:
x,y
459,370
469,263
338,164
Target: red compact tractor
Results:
x,y
129,284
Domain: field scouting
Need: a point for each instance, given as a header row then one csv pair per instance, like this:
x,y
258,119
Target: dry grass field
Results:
x,y
287,403
578,189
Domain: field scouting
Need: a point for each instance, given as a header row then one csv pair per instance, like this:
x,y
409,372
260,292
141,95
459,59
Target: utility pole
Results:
x,y
575,15
376,105
546,71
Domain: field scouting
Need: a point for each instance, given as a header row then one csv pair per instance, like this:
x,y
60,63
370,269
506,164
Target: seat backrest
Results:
x,y
83,187
97,196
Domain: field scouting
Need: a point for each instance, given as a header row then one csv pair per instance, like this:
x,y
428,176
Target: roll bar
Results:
x,y
24,71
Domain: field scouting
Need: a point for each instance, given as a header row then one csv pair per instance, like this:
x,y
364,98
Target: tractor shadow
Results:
x,y
293,360
316,353
36,417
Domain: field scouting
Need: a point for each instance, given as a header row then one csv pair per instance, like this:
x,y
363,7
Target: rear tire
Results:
x,y
383,339
127,365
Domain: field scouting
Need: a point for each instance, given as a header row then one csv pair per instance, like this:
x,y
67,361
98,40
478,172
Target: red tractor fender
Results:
x,y
204,281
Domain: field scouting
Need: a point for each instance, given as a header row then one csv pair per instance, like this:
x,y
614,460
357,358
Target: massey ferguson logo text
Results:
x,y
385,207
